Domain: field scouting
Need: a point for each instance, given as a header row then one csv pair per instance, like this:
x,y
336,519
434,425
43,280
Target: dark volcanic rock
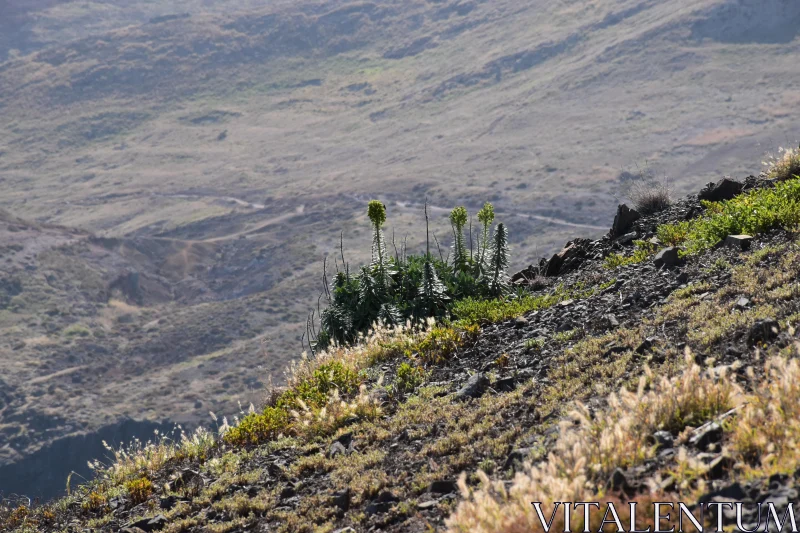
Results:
x,y
475,387
763,331
618,481
341,500
568,259
667,256
516,458
706,435
150,524
445,486
740,242
622,221
724,189
663,439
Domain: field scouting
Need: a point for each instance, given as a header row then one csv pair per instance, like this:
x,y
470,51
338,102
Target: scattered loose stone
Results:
x,y
667,256
611,321
618,481
624,218
170,501
763,331
475,387
724,189
430,504
377,507
506,384
743,303
516,458
663,439
705,435
444,486
341,500
387,497
741,242
336,449
150,524
733,492
718,464
627,238
645,345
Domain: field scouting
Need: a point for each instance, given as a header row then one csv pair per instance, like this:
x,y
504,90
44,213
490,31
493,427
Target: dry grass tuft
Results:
x,y
584,457
649,195
784,165
766,436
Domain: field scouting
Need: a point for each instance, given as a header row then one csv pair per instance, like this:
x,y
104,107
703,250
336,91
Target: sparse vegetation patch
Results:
x,y
750,213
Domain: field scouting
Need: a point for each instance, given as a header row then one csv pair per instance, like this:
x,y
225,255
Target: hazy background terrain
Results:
x,y
173,172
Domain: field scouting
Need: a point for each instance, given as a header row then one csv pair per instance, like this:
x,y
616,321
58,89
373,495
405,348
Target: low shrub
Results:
x,y
260,427
395,289
475,311
408,378
751,213
442,342
315,390
642,251
139,489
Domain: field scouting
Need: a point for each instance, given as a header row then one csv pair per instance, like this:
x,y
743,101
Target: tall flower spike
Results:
x,y
499,260
458,218
485,217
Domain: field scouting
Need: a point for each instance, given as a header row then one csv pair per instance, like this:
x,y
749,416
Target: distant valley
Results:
x,y
172,174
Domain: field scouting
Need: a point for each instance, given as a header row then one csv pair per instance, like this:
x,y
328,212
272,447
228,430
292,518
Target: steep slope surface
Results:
x,y
199,146
494,399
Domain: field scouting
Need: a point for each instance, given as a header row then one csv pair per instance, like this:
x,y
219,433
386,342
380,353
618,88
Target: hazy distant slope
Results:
x,y
557,96
247,135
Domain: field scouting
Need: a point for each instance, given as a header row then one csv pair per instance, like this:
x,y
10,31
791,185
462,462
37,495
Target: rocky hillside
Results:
x,y
219,149
95,329
648,364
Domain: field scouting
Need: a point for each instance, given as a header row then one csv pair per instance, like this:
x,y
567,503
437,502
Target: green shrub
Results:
x,y
408,378
750,213
397,289
77,330
535,344
443,341
642,251
314,391
256,428
477,311
673,234
139,489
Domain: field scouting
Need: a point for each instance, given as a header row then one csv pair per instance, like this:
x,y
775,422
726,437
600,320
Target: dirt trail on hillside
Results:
x,y
543,218
299,210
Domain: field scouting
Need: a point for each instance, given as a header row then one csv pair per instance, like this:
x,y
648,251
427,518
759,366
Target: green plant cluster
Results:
x,y
398,288
310,393
751,213
643,250
477,311
408,377
314,391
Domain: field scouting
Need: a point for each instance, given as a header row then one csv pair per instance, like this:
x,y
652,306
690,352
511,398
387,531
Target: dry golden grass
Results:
x,y
784,165
764,436
583,457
